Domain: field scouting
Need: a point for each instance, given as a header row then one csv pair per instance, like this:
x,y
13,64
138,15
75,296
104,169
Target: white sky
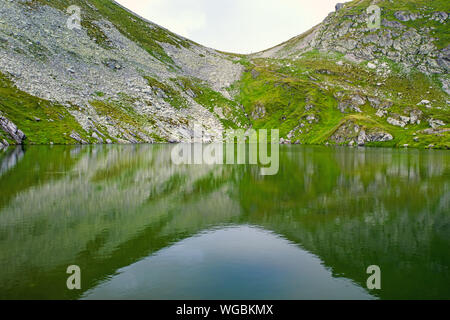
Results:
x,y
239,26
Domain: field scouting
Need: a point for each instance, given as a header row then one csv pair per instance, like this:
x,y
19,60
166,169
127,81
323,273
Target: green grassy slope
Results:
x,y
286,88
297,84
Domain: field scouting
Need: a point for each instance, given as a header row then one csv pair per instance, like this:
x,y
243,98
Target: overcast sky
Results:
x,y
240,26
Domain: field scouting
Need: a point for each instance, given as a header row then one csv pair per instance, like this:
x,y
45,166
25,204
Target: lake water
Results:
x,y
140,227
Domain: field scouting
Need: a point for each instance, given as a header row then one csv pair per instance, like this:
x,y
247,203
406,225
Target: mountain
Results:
x,y
123,79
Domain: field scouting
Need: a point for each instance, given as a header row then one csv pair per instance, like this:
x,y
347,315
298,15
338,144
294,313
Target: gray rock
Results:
x,y
444,60
74,135
392,24
309,107
415,116
11,129
385,40
402,15
311,118
374,102
371,38
339,6
446,85
423,102
255,74
259,112
349,131
113,64
362,138
358,100
381,113
96,137
396,122
379,137
191,93
347,106
439,16
434,123
438,131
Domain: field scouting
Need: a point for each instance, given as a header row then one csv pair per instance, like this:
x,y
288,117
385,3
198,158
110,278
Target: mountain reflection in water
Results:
x,y
140,227
231,263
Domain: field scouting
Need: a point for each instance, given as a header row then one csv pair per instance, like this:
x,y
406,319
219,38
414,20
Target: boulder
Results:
x,y
351,104
349,131
97,137
439,16
415,116
74,135
358,100
396,122
435,131
434,123
11,129
381,113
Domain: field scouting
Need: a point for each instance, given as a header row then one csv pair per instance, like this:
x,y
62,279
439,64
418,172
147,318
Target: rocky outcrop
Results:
x,y
434,123
437,131
352,133
415,116
376,136
339,6
349,35
11,129
77,138
351,104
397,121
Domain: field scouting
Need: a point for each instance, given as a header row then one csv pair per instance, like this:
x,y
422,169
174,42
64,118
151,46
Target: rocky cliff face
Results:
x,y
122,79
412,39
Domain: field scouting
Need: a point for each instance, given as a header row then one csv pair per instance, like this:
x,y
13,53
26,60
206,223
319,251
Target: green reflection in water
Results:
x,y
108,207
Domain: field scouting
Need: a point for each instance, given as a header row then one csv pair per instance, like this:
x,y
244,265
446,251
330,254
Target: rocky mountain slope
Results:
x,y
122,79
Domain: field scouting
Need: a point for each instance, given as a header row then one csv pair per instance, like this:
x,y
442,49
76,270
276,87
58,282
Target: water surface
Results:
x,y
140,227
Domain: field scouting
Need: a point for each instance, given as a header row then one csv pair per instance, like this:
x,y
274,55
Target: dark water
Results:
x,y
140,227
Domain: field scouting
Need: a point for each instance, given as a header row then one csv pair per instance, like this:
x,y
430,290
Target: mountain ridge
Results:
x,y
124,79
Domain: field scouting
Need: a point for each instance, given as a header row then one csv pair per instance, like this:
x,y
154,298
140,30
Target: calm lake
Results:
x,y
140,227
